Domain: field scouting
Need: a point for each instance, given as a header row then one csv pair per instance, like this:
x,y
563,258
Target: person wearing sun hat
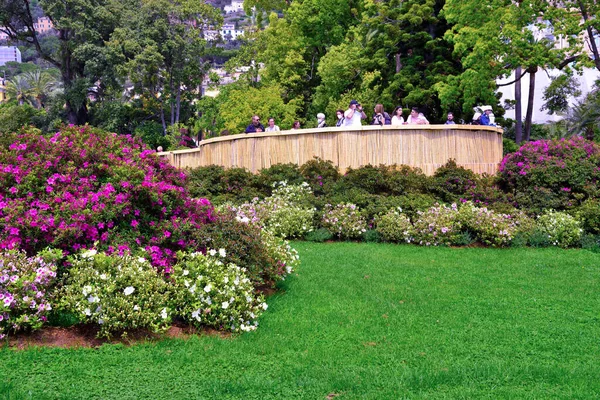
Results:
x,y
485,116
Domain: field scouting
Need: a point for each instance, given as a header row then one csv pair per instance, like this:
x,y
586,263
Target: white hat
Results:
x,y
321,116
485,108
476,116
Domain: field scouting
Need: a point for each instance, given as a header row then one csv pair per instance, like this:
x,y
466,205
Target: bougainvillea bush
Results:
x,y
24,295
82,188
552,174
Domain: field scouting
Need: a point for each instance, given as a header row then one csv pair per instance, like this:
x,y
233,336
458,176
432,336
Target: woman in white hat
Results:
x,y
485,117
321,120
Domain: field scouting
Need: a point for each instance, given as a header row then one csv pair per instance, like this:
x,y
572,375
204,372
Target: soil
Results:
x,y
85,336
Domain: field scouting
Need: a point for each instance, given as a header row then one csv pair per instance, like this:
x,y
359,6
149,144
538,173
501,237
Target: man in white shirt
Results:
x,y
354,114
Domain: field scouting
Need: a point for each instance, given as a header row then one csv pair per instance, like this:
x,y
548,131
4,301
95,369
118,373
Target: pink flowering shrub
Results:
x,y
557,174
24,295
82,187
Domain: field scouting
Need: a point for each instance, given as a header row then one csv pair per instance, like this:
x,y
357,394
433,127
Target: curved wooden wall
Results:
x,y
478,148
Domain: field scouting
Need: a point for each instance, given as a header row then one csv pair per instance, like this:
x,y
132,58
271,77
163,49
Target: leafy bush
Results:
x,y
83,185
371,236
489,227
368,178
344,221
206,181
405,180
320,174
556,174
207,292
395,227
589,214
451,182
269,177
119,293
247,246
439,225
24,295
319,235
562,229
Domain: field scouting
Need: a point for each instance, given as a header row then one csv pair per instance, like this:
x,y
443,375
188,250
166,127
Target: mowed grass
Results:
x,y
368,321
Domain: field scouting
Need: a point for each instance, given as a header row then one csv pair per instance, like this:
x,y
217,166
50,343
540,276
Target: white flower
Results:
x,y
128,290
87,312
93,299
103,277
196,315
224,305
193,289
136,308
100,321
141,259
212,252
89,254
222,252
185,272
207,288
264,306
86,290
163,313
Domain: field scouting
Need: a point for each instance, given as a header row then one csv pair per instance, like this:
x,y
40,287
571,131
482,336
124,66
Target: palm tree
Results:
x,y
584,116
18,89
41,85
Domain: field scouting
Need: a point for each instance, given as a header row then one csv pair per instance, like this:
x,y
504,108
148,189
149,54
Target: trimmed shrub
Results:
x,y
268,178
589,214
319,235
451,182
118,293
207,292
395,227
344,220
562,229
320,174
24,295
405,180
439,225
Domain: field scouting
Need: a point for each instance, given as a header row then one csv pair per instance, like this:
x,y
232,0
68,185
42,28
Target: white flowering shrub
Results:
x,y
209,292
24,291
439,225
119,293
287,212
285,256
489,227
394,227
563,230
344,221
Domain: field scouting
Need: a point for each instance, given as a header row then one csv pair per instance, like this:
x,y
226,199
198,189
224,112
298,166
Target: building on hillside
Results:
x,y
9,53
236,6
229,32
43,25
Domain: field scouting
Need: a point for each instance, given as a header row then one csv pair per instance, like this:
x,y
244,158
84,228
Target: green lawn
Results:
x,y
368,321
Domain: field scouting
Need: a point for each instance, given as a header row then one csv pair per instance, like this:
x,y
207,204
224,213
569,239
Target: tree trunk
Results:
x,y
178,103
518,110
529,115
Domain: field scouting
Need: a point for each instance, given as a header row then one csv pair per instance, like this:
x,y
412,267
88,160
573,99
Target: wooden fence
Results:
x,y
478,148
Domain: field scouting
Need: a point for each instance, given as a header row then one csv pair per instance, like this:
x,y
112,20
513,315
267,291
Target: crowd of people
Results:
x,y
354,115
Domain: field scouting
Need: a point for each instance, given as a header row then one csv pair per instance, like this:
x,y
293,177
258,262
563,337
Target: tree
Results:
x,y
18,89
495,38
41,84
83,27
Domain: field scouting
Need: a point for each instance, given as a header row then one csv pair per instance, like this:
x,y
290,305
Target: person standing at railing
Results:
x,y
397,118
354,114
255,126
340,118
321,120
450,119
485,116
416,117
272,127
381,117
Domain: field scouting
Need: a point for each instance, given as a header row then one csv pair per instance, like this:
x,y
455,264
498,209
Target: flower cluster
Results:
x,y
24,296
562,229
83,185
394,226
439,225
285,258
344,220
119,293
208,292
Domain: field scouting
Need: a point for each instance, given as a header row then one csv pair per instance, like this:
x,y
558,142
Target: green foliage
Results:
x,y
451,182
557,93
344,220
394,227
319,235
371,236
589,215
269,177
209,293
509,146
118,293
562,229
13,117
152,134
439,225
319,174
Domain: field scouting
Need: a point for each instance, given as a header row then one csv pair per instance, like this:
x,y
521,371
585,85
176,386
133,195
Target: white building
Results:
x,y
9,53
236,6
229,32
